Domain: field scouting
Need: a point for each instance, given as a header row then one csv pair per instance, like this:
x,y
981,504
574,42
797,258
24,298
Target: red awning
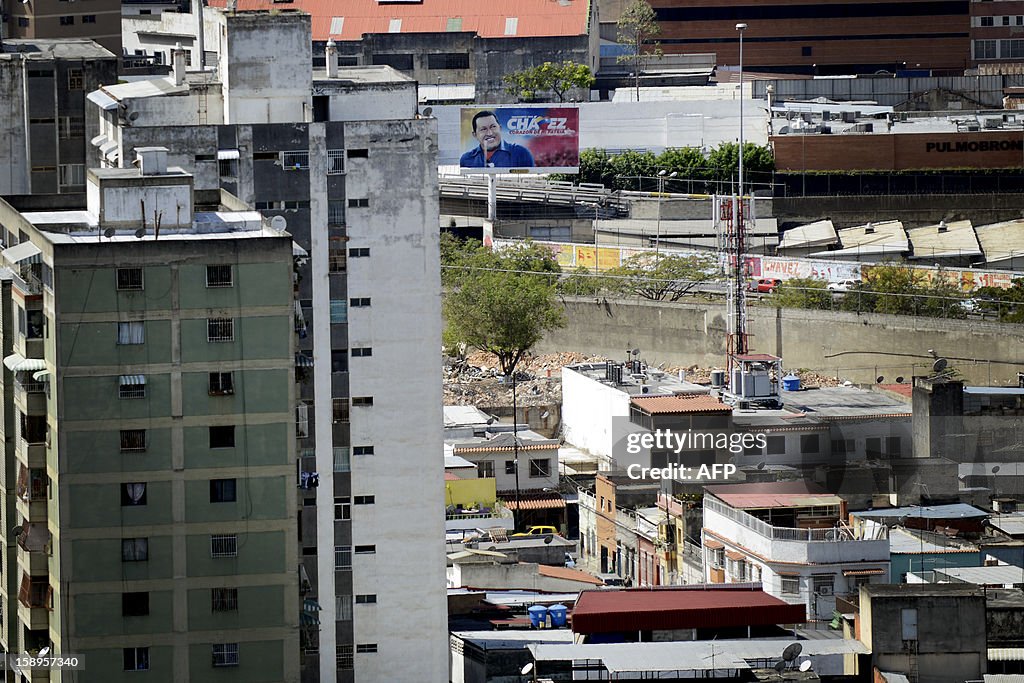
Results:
x,y
551,502
733,555
713,545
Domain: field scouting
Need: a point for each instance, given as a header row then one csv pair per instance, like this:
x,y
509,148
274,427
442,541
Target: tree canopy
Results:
x,y
637,25
892,288
803,292
549,77
661,277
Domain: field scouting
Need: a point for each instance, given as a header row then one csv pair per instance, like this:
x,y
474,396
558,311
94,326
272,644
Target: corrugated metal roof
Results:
x,y
1006,654
612,611
951,511
945,239
696,403
781,494
816,234
353,19
534,502
568,574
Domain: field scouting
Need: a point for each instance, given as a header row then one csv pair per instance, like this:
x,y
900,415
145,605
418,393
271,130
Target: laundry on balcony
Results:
x,y
309,480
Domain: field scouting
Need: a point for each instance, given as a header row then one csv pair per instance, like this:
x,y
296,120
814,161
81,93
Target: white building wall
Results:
x,y
587,411
403,327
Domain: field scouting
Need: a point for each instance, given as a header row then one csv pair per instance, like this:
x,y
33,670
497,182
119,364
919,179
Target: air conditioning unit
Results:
x,y
825,590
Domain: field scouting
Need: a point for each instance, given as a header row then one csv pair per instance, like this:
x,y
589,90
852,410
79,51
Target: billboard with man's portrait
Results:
x,y
519,140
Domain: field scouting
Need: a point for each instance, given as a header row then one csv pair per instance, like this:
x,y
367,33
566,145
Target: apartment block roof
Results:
x,y
956,238
951,511
678,607
775,494
676,405
55,48
817,234
507,19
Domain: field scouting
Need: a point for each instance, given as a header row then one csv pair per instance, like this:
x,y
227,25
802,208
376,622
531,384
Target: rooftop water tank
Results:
x,y
538,616
791,383
558,614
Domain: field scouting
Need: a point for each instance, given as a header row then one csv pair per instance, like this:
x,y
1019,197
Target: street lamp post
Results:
x,y
661,195
741,28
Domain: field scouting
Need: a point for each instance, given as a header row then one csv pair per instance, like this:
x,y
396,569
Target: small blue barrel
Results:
x,y
558,613
538,615
791,383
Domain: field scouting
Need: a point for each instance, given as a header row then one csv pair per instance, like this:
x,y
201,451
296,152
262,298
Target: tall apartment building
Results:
x,y
98,20
341,157
43,135
149,435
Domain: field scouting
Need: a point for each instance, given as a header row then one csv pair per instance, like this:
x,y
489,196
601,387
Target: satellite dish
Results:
x,y
109,232
544,415
526,669
879,379
140,233
899,380
780,666
427,111
635,352
792,652
278,223
16,531
760,465
547,539
493,549
45,651
806,665
995,470
939,365
134,115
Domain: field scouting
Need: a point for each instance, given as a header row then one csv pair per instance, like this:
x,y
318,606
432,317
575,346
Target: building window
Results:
x,y
134,549
510,468
335,213
366,599
822,584
365,549
873,447
366,648
361,153
359,203
335,161
134,604
345,658
226,168
806,51
485,469
223,490
359,252
224,545
133,332
776,445
336,255
987,21
71,175
68,21
365,500
362,351
343,608
342,509
339,360
362,401
295,161
131,386
89,19
790,585
342,557
809,443
402,62
448,60
219,276
362,450
540,467
1006,21
339,410
985,49
133,494
72,127
220,330
222,436
129,279
222,383
22,22
359,302
224,599
225,654
135,658
133,440
339,311
1011,49
341,459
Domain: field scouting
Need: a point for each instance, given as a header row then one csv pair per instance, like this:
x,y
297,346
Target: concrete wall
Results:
x,y
13,159
858,347
522,576
588,408
913,210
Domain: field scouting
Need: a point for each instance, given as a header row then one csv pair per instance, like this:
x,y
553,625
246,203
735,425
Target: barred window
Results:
x,y
336,255
221,383
335,161
335,212
133,440
131,386
345,657
219,276
129,279
224,545
224,599
342,557
340,410
220,330
225,654
75,78
295,161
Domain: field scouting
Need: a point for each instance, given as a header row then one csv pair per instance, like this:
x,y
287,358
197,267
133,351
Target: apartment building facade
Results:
x,y
341,158
148,417
98,20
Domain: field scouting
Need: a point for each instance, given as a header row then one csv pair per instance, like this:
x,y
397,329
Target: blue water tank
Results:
x,y
538,615
791,383
558,613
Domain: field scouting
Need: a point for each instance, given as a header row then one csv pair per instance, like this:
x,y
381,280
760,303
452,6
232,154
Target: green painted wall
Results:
x,y
259,662
94,290
256,498
255,444
107,665
255,339
259,552
92,344
254,285
100,505
256,391
258,607
96,398
100,560
99,614
100,451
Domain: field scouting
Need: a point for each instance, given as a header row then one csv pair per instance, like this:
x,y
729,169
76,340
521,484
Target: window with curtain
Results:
x,y
133,332
133,494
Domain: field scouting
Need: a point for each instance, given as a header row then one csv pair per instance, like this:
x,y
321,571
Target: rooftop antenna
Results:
x,y
805,665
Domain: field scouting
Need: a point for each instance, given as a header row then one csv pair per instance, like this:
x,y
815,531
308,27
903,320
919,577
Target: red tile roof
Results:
x,y
448,476
691,403
539,501
569,574
677,607
534,18
906,390
776,494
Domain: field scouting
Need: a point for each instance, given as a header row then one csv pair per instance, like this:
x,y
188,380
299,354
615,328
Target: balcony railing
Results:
x,y
832,534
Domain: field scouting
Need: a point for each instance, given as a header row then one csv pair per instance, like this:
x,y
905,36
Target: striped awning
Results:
x,y
41,376
133,380
26,251
99,140
863,572
227,154
303,361
1006,654
18,363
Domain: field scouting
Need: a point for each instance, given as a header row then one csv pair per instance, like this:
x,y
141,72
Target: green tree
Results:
x,y
551,77
637,25
1007,303
581,282
662,277
758,162
802,292
502,302
900,290
630,167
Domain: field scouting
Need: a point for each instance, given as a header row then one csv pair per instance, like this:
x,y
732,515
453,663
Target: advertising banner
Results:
x,y
519,140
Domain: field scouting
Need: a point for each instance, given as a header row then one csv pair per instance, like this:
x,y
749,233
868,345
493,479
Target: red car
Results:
x,y
764,285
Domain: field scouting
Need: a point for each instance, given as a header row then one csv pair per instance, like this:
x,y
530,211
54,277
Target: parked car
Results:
x,y
765,285
538,531
842,286
979,305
